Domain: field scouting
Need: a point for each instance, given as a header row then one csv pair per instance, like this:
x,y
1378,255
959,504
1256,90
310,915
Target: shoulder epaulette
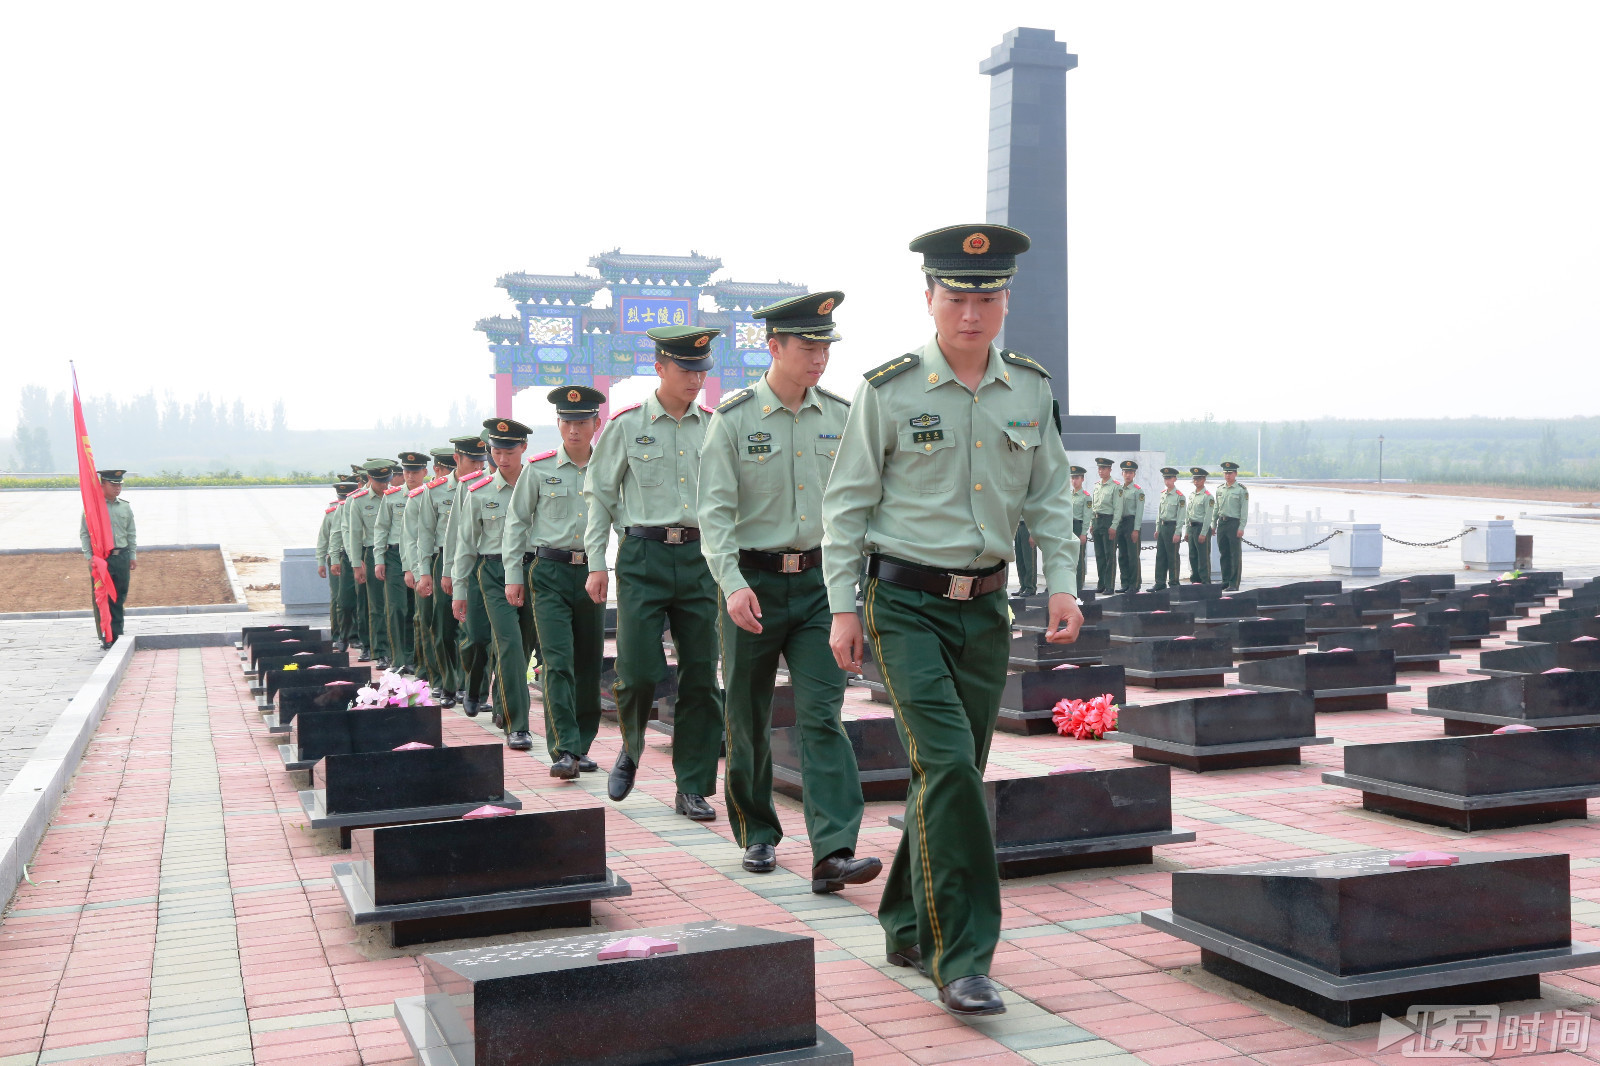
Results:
x,y
363,491
392,490
730,402
832,395
892,369
332,509
704,408
631,407
436,482
1021,360
542,455
476,485
418,491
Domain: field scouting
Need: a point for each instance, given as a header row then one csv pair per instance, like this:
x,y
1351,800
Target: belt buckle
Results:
x,y
674,534
960,587
791,564
577,558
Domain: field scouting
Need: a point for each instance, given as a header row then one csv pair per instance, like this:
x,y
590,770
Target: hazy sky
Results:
x,y
1277,209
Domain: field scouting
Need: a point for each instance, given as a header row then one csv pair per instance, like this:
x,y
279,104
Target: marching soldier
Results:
x,y
1105,504
124,557
946,448
1130,518
473,634
419,566
1169,516
544,549
1080,520
330,558
1233,509
395,569
361,545
1200,516
644,479
433,587
768,453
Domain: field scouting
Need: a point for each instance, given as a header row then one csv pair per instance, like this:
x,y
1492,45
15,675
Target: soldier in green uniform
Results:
x,y
1130,516
481,545
946,448
768,454
1081,520
329,557
419,566
1200,516
433,588
473,634
395,569
360,624
644,479
360,538
1233,509
1105,505
124,557
1169,517
544,549
1027,568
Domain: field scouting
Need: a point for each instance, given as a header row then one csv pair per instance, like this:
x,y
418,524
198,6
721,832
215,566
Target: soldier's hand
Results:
x,y
1241,534
514,595
1065,619
1084,539
459,609
745,609
596,586
425,585
337,569
361,574
1136,536
133,564
411,580
322,571
380,571
444,585
1202,538
1177,538
846,642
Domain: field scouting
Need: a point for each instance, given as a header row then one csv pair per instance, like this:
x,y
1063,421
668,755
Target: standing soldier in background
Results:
x,y
1130,517
433,598
645,478
1027,569
1233,508
394,568
329,557
1081,520
124,557
360,522
544,548
1200,516
418,567
472,624
1105,504
1169,517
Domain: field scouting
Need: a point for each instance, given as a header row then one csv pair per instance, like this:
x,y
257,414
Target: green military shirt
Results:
x,y
762,475
360,522
123,532
433,516
1170,508
645,472
1132,504
547,510
411,520
935,474
388,527
1107,499
1202,509
1080,506
1233,501
458,506
325,532
478,528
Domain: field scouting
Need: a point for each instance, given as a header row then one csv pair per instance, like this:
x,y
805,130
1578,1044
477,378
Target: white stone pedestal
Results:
x,y
1359,552
302,591
1492,545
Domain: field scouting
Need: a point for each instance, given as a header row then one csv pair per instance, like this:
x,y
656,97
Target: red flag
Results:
x,y
95,516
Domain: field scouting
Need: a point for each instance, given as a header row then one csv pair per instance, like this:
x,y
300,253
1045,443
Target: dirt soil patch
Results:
x,y
59,581
1494,492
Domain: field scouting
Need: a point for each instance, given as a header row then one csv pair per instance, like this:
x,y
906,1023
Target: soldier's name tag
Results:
x,y
1019,424
923,436
827,436
758,449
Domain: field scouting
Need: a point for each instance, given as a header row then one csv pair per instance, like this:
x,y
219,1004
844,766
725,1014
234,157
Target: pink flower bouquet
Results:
x,y
1086,719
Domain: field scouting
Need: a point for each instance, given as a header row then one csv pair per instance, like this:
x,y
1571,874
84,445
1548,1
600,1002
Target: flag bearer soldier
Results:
x,y
1200,516
1169,534
1130,518
1233,509
768,454
330,556
433,588
644,479
124,557
945,449
360,542
1105,504
466,604
1081,520
546,568
394,569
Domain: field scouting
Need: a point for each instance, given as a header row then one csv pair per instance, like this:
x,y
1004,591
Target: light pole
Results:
x,y
1380,458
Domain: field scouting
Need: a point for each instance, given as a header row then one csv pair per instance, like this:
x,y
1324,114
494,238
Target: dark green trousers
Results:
x,y
398,608
1128,554
1167,557
1105,555
361,616
342,611
1232,550
377,609
944,666
120,572
572,642
1199,554
1027,572
1083,552
472,644
444,657
795,623
510,639
669,583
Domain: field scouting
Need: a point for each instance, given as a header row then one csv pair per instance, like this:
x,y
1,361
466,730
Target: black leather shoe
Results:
x,y
447,702
365,658
565,767
383,663
470,708
519,740
587,765
620,783
760,858
497,718
339,645
408,670
910,958
694,807
973,996
836,871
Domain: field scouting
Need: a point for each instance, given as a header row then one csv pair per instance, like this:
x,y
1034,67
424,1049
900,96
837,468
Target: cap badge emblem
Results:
x,y
825,306
701,341
573,395
502,427
976,244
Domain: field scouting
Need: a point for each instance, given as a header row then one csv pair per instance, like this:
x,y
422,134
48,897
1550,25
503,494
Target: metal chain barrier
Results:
x,y
1431,543
1291,551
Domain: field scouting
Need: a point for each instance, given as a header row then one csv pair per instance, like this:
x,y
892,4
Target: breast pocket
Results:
x,y
557,503
761,465
928,459
1016,462
646,462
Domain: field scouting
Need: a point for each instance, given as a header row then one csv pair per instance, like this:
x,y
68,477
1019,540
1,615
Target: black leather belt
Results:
x,y
559,555
116,551
781,562
665,534
951,584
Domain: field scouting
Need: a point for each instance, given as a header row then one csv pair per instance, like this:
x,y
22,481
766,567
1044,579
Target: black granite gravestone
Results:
x,y
1415,647
479,877
1578,654
1188,592
1238,605
724,993
1029,699
1548,701
1031,651
1037,619
1175,662
1545,582
317,736
250,634
1226,732
401,787
1131,626
1477,782
1501,606
1374,605
1336,680
263,649
281,682
1468,628
1326,617
1294,593
881,761
293,702
1136,602
1258,638
1351,938
1557,630
301,661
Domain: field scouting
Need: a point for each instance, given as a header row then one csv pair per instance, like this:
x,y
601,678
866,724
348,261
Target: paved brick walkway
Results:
x,y
181,914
